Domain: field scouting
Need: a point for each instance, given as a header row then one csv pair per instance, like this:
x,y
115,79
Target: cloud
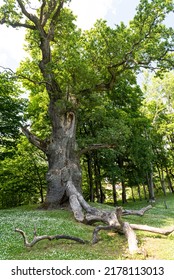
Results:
x,y
88,11
11,45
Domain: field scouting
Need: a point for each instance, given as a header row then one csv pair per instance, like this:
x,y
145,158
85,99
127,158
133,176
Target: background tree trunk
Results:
x,y
150,186
169,181
114,191
124,200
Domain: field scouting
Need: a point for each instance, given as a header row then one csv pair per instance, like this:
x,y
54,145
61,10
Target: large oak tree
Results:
x,y
73,65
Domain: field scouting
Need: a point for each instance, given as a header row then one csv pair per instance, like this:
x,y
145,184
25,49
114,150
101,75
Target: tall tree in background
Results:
x,y
22,175
158,107
74,65
11,113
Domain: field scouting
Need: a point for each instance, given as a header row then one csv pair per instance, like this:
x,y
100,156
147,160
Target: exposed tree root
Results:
x,y
116,224
83,212
36,238
128,229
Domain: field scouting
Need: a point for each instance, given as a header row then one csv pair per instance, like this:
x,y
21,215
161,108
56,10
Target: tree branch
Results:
x,y
20,76
54,18
95,238
115,222
96,147
31,80
31,17
36,238
18,24
153,229
57,11
7,69
36,141
136,212
43,18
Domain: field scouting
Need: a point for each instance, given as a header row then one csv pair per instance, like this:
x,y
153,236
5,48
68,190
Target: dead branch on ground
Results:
x,y
114,222
36,238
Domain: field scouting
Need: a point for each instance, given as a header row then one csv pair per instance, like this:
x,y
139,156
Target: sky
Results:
x,y
113,11
87,11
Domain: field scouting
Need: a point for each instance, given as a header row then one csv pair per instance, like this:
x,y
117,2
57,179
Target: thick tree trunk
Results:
x,y
62,161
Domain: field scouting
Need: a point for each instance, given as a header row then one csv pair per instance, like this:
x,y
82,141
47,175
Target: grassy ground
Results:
x,y
111,245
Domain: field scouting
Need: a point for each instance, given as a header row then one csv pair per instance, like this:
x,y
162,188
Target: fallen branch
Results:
x,y
153,229
36,238
131,238
112,220
97,229
115,222
136,212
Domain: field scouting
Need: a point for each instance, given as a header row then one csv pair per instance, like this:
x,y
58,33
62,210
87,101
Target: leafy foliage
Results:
x,y
11,112
22,176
